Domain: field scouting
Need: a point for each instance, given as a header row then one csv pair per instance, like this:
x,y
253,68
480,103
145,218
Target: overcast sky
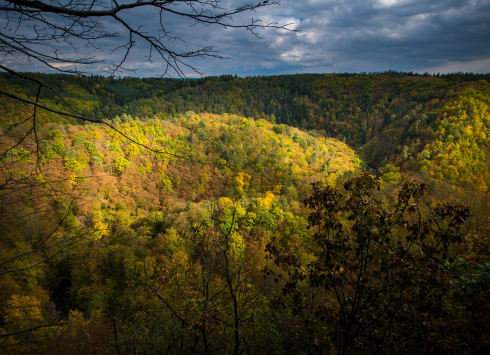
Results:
x,y
333,36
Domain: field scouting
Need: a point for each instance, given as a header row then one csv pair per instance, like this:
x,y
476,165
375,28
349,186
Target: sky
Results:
x,y
329,36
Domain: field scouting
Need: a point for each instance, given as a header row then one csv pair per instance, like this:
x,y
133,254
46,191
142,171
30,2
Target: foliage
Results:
x,y
389,118
148,249
375,285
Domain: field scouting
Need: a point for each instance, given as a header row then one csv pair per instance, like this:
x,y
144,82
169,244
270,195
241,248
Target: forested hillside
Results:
x,y
232,215
387,117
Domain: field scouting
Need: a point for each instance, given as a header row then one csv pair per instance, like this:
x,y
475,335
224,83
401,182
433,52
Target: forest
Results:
x,y
293,214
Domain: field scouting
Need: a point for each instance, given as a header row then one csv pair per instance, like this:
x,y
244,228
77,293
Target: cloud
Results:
x,y
294,56
333,36
62,65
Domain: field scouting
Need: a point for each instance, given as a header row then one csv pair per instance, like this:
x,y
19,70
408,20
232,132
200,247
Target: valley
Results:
x,y
245,215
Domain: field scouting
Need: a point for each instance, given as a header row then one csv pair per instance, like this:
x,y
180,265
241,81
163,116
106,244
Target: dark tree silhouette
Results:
x,y
377,285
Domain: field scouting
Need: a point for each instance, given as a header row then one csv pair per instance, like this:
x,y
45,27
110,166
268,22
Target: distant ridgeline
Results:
x,y
433,125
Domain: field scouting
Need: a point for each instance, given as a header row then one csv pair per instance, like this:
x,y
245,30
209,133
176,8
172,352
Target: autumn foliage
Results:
x,y
180,231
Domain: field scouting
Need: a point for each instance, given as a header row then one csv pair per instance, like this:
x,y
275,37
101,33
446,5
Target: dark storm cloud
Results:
x,y
366,35
334,36
404,35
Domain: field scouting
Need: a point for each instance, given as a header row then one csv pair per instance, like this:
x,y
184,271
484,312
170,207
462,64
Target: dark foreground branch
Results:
x,y
17,332
91,120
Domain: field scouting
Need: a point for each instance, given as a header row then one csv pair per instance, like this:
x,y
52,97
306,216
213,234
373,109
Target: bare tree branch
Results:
x,y
17,332
38,30
88,119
